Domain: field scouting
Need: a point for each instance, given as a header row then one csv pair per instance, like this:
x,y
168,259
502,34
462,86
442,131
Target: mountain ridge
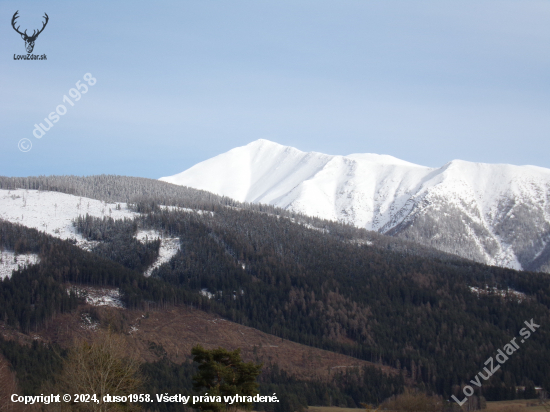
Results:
x,y
496,214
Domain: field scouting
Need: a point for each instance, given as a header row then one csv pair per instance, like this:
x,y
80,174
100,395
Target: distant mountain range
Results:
x,y
497,214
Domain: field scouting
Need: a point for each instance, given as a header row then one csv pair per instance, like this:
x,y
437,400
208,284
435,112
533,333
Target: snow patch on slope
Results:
x,y
53,212
147,235
509,293
10,262
169,247
185,209
100,296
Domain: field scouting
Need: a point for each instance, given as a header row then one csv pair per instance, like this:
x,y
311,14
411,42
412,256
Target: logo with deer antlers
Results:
x,y
29,40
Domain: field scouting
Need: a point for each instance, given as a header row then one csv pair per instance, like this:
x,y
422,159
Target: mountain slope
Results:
x,y
439,319
495,214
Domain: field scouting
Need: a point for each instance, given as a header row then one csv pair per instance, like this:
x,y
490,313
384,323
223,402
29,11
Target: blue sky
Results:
x,y
181,81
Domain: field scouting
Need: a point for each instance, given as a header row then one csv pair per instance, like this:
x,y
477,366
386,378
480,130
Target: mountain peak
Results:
x,y
263,142
381,159
266,145
476,205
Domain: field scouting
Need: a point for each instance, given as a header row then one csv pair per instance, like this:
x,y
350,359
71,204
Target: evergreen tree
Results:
x,y
223,373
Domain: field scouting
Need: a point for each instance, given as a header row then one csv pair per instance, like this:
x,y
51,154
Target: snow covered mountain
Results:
x,y
492,213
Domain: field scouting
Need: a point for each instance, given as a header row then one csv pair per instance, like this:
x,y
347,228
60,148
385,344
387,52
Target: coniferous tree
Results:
x,y
223,373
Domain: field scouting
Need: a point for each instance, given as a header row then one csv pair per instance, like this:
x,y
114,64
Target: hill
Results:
x,y
330,286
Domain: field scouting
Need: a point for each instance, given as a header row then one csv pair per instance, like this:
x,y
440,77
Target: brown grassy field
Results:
x,y
176,330
332,409
518,405
500,406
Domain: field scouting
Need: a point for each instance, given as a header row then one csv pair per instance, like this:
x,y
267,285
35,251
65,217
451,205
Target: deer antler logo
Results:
x,y
29,40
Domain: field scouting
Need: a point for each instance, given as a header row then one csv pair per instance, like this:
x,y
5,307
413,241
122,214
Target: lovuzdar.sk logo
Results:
x,y
29,40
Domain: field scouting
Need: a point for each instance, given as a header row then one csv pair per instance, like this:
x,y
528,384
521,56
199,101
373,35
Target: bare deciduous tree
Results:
x,y
101,368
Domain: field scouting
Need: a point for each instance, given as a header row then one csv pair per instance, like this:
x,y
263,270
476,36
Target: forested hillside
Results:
x,y
142,193
319,289
322,284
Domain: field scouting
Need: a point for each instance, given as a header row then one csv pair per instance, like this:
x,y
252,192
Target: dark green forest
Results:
x,y
347,389
321,289
318,283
